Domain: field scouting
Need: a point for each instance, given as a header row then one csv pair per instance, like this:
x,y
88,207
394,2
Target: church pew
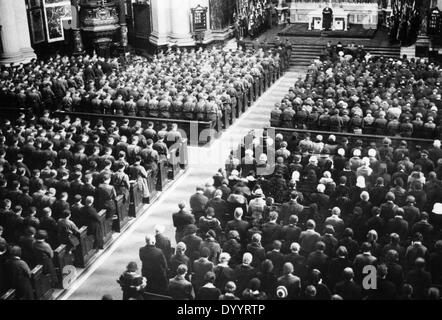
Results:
x,y
352,137
41,284
239,104
106,226
163,175
178,160
184,125
184,155
61,259
9,295
152,183
226,119
85,250
258,88
136,199
251,95
122,213
156,297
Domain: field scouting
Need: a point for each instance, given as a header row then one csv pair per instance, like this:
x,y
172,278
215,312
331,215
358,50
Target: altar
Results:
x,y
344,13
328,19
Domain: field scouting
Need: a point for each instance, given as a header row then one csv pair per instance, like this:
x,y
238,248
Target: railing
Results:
x,y
41,284
85,250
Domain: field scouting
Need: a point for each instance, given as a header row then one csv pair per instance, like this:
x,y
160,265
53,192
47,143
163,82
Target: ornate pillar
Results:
x,y
181,33
123,24
11,52
22,33
160,22
76,31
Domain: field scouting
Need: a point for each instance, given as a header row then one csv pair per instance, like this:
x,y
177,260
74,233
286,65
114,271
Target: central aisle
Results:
x,y
101,277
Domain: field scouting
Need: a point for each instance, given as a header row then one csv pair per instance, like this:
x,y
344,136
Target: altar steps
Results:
x,y
303,55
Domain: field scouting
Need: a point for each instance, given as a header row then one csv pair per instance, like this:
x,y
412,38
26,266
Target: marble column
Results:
x,y
76,31
22,30
160,22
11,46
180,16
123,24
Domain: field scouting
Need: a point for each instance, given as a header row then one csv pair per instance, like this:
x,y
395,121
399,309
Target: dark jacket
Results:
x,y
154,269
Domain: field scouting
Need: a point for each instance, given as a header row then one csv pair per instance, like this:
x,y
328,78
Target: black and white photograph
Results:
x,y
198,151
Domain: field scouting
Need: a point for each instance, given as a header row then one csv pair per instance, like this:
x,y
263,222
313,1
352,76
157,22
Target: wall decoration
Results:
x,y
199,18
56,11
36,22
221,13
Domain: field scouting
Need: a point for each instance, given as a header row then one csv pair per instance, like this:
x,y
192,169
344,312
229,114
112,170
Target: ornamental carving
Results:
x,y
99,16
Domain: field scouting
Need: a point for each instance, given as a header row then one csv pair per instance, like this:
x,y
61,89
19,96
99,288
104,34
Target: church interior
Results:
x,y
220,150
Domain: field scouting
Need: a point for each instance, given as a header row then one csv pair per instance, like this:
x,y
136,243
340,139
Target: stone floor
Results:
x,y
101,277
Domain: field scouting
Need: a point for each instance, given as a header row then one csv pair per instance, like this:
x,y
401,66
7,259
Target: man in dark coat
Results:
x,y
91,219
347,288
419,279
154,267
181,220
163,243
192,241
198,202
19,275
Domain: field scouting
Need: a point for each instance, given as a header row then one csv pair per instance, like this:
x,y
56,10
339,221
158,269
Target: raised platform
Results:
x,y
301,30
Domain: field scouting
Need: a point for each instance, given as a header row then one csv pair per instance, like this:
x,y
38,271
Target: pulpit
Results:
x,y
328,19
99,23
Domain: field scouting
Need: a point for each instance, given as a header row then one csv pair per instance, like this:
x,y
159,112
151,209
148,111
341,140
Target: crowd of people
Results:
x,y
56,174
254,19
358,93
306,231
177,84
305,224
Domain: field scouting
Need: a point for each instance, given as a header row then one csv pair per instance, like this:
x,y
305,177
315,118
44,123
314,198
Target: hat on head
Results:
x,y
259,193
437,209
282,292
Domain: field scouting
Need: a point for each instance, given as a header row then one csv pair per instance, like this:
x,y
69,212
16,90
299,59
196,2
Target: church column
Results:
x,y
180,23
160,22
123,24
22,35
78,38
10,46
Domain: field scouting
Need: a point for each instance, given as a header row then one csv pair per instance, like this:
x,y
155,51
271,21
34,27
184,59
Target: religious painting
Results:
x,y
221,13
36,22
56,11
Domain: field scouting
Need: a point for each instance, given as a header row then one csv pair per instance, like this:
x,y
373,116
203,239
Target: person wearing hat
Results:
x,y
132,284
257,205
